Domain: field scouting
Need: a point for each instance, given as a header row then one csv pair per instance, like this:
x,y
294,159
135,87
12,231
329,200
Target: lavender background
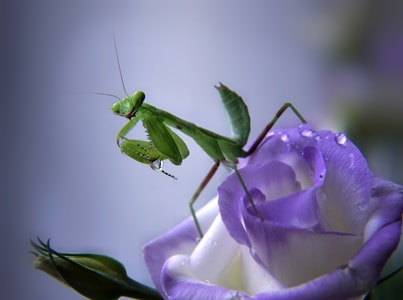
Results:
x,y
63,177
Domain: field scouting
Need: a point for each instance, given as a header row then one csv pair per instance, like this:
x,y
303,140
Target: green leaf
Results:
x,y
94,276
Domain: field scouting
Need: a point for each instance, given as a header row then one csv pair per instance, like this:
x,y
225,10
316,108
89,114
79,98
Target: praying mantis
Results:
x,y
164,144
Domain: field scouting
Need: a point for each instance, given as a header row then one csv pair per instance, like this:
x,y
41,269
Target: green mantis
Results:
x,y
164,144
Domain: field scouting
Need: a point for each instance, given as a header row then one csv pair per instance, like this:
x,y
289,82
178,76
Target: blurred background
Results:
x,y
63,177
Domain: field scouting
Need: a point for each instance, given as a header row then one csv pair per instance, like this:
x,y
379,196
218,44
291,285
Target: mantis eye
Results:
x,y
116,108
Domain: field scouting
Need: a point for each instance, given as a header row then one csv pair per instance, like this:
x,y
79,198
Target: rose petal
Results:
x,y
344,203
337,285
280,180
387,205
193,277
180,284
216,249
368,262
346,192
181,239
298,209
292,249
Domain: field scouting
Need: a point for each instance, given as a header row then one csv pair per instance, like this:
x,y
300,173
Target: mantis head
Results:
x,y
128,106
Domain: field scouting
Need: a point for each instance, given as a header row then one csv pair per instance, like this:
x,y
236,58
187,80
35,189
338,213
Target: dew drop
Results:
x,y
341,138
284,137
253,252
270,134
362,207
237,296
213,243
207,281
183,262
321,196
308,133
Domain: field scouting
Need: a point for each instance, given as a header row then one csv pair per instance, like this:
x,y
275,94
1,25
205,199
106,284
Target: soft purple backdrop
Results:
x,y
65,178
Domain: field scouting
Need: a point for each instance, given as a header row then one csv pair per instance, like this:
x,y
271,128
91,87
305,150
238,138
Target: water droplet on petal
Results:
x,y
207,281
270,134
213,243
285,137
341,138
183,262
253,251
306,132
321,196
362,206
237,296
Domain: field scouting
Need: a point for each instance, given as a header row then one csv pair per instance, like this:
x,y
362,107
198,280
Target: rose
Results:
x,y
324,228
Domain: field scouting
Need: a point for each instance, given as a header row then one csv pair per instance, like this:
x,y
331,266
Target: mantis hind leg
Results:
x,y
202,185
257,142
248,195
252,149
270,125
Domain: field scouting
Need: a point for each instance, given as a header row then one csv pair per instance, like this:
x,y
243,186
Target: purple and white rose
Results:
x,y
325,227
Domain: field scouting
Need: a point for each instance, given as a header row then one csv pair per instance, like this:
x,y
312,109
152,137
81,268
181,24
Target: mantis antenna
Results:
x,y
120,68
